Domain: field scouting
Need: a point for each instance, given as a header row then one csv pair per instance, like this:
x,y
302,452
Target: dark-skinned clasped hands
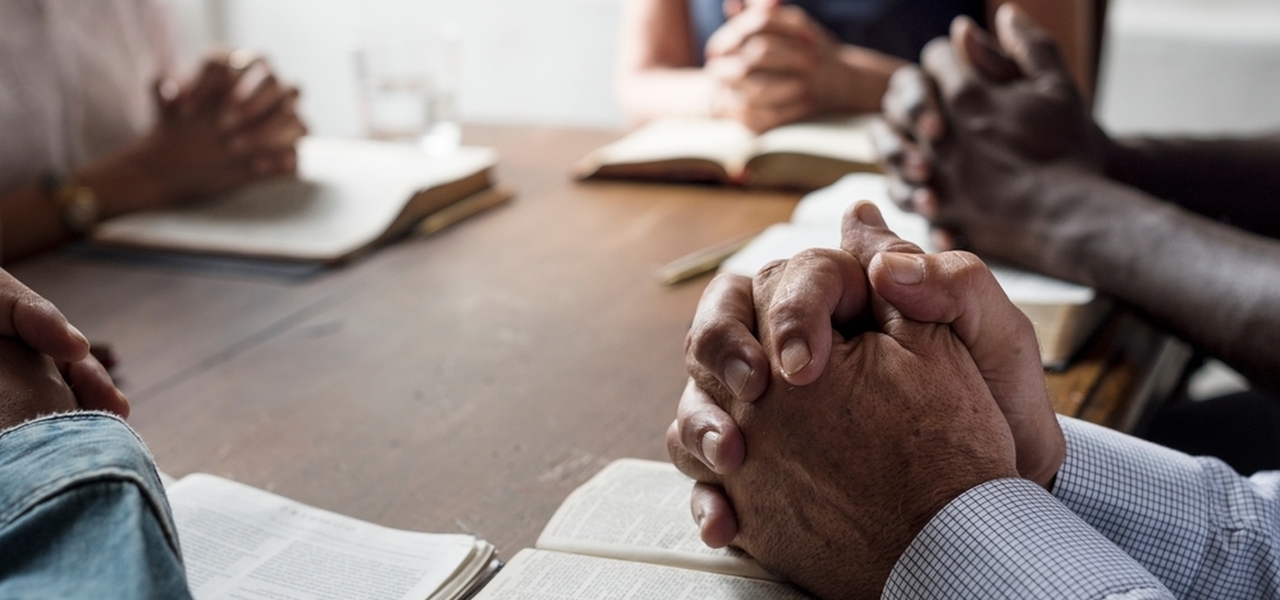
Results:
x,y
841,399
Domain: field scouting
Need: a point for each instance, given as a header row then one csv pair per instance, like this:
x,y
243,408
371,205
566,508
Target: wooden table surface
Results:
x,y
463,382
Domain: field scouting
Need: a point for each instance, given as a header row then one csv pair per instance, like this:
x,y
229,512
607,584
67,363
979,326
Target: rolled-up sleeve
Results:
x,y
83,513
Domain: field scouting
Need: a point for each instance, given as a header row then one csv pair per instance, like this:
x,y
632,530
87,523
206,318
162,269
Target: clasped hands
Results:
x,y
45,365
842,398
988,137
233,123
772,64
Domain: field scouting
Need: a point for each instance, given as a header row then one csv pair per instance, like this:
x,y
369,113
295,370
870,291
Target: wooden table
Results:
x,y
462,382
465,381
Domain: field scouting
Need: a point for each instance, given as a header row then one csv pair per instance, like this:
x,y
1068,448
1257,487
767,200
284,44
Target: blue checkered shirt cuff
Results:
x,y
1194,523
1009,538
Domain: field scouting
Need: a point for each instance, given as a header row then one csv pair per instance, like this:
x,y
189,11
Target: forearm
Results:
x,y
657,72
1216,285
665,92
1237,180
859,82
32,221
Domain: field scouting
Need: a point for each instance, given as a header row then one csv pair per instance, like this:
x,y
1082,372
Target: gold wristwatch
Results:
x,y
77,203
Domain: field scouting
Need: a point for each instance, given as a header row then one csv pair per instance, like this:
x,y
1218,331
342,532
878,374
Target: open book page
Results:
x,y
722,141
777,242
242,543
547,575
348,193
815,223
845,138
639,510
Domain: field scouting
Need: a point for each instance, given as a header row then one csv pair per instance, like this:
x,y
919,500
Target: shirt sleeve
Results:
x,y
83,513
1009,538
1197,525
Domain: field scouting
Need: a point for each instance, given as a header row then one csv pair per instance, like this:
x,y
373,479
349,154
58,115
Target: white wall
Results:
x,y
1192,66
526,61
1197,66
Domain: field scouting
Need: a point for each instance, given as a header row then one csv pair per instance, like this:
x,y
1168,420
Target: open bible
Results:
x,y
802,156
350,196
1064,314
242,543
627,533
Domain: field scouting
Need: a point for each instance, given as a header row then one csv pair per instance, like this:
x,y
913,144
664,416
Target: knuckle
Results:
x,y
893,243
710,340
771,270
787,315
820,258
969,271
968,266
935,52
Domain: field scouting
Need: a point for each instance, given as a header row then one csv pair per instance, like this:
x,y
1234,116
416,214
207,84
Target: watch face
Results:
x,y
81,210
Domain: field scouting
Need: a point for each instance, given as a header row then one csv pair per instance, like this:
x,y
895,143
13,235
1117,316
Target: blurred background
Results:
x,y
1190,66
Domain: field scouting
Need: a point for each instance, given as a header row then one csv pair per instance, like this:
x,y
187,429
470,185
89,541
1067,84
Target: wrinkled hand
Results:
x,y
844,472
30,385
43,354
773,64
234,123
725,359
970,136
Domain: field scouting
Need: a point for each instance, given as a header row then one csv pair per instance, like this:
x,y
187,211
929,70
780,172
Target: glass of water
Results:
x,y
408,87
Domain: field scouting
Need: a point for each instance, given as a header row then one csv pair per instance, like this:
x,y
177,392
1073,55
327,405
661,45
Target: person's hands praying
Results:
x,y
46,365
726,360
977,132
773,64
841,474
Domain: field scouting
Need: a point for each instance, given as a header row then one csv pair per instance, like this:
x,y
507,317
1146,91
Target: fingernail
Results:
x,y
710,446
795,356
869,214
736,374
905,269
75,333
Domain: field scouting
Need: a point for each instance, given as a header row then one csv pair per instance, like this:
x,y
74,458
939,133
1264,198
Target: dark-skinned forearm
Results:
x,y
1215,285
1234,180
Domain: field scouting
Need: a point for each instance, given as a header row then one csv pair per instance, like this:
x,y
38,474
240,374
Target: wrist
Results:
x,y
129,180
1081,239
854,80
77,204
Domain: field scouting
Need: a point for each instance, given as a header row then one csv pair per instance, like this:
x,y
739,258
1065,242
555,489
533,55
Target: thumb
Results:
x,y
1026,43
956,288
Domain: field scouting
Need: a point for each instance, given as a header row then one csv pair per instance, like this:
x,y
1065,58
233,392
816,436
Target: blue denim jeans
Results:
x,y
83,513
